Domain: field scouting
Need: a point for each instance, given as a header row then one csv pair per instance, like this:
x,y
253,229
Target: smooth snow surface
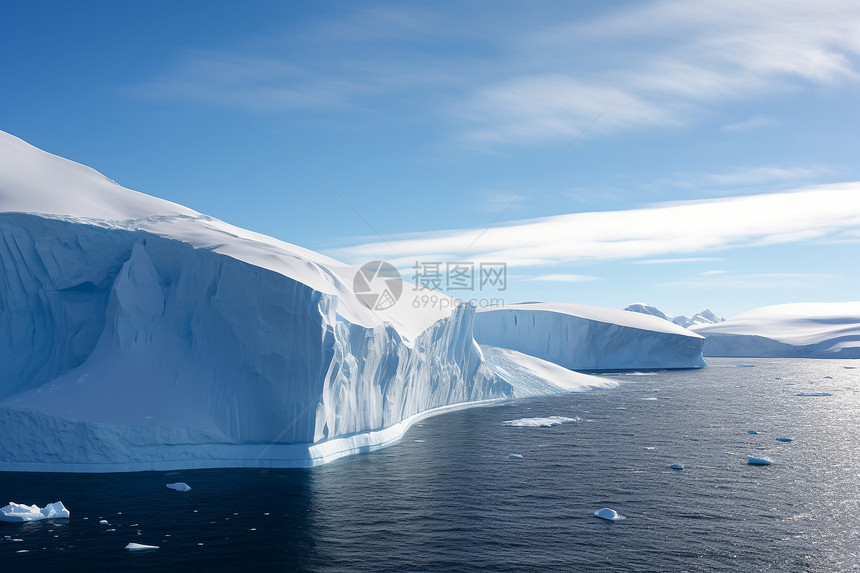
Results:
x,y
608,514
15,512
547,422
801,330
179,486
582,337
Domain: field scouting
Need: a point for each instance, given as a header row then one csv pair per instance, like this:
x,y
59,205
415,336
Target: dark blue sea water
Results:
x,y
448,498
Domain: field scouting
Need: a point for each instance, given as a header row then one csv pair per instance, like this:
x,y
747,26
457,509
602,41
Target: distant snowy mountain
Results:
x,y
582,337
700,318
802,330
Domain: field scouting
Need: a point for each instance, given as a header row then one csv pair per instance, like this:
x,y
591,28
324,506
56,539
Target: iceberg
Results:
x,y
677,466
140,547
515,456
800,330
582,337
608,514
758,461
15,512
700,318
785,439
547,422
179,486
137,334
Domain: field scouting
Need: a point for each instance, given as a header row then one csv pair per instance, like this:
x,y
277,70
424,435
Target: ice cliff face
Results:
x,y
128,324
583,337
801,330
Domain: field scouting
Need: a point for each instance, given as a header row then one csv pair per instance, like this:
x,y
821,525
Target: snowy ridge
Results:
x,y
813,330
581,337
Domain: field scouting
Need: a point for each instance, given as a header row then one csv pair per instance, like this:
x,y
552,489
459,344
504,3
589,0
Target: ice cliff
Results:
x,y
582,337
800,330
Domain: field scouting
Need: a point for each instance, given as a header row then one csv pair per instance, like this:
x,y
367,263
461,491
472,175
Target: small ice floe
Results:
x,y
813,394
608,514
179,486
140,547
103,522
677,466
540,422
752,432
785,439
650,448
515,456
649,399
758,461
15,512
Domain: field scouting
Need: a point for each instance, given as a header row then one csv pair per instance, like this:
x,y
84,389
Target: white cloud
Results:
x,y
773,281
660,231
746,177
564,278
757,122
677,260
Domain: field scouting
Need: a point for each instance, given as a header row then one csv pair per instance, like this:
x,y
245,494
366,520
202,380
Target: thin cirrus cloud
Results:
x,y
755,281
669,230
564,278
666,63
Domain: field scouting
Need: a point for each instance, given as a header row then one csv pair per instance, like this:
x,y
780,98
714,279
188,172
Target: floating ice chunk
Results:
x,y
540,422
652,398
753,432
609,514
103,522
515,456
15,512
179,486
758,461
785,439
140,547
813,394
677,466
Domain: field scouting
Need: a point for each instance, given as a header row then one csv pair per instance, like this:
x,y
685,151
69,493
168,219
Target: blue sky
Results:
x,y
431,118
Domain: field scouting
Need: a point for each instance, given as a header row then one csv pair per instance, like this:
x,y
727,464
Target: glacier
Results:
x,y
583,337
798,330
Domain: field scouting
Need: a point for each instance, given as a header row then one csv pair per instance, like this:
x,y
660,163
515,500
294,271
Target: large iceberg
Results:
x,y
138,334
582,337
17,512
800,330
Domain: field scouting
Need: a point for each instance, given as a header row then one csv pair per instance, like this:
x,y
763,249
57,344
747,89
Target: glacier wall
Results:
x,y
754,346
584,343
116,341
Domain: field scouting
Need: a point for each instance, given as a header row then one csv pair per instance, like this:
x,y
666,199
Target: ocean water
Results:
x,y
449,498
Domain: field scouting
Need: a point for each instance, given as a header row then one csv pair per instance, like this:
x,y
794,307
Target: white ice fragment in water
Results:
x,y
677,466
609,514
540,422
179,486
652,398
15,512
103,522
758,461
139,547
785,439
515,456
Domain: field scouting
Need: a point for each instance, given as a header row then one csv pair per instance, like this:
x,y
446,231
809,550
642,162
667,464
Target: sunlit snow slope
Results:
x,y
801,330
582,337
138,334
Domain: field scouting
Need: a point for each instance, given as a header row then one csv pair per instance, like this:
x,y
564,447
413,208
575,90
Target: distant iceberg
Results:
x,y
179,486
140,547
15,512
583,337
801,330
758,461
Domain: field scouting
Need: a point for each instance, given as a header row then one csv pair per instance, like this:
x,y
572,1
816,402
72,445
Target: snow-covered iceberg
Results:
x,y
16,512
582,337
700,318
130,323
800,330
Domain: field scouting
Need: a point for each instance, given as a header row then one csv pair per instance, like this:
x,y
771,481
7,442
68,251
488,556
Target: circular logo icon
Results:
x,y
377,285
